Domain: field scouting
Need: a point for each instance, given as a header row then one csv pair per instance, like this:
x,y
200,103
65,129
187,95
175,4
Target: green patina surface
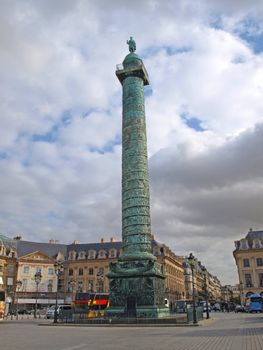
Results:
x,y
136,280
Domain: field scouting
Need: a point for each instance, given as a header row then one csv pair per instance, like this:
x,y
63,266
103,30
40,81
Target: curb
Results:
x,y
138,325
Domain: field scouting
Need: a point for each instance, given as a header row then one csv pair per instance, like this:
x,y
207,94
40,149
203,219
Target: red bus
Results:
x,y
2,305
91,304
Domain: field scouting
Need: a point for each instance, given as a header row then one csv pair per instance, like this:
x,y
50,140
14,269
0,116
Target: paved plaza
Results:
x,y
225,331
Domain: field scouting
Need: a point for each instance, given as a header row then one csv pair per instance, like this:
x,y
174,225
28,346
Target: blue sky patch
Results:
x,y
108,147
50,136
3,155
148,91
255,41
192,122
250,30
170,50
89,111
66,118
26,162
216,23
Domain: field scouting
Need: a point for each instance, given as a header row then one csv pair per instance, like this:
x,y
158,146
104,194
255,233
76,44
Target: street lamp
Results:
x,y
37,279
191,261
100,280
18,286
59,268
241,287
206,292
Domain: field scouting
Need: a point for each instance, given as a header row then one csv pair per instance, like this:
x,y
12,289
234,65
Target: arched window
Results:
x,y
80,271
70,272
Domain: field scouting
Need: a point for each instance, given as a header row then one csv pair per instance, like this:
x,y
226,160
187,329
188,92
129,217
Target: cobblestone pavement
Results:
x,y
223,332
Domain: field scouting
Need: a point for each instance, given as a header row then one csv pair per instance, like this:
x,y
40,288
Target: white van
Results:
x,y
51,311
204,304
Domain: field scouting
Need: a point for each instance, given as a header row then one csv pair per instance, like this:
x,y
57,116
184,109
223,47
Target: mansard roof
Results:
x,y
50,249
94,246
8,242
254,235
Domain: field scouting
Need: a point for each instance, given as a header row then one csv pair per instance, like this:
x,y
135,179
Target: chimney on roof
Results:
x,y
102,240
250,230
18,238
52,241
112,239
75,241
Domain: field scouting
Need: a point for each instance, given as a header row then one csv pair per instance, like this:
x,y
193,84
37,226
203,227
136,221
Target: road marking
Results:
x,y
75,347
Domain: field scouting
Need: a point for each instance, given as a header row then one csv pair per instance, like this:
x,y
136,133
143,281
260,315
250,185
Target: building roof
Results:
x,y
50,249
7,242
94,246
254,235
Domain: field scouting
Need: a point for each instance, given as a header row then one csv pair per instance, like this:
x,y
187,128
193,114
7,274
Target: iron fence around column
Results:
x,y
199,314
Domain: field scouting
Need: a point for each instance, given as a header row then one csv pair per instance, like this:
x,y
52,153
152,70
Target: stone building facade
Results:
x,y
174,272
248,256
8,268
206,285
85,269
88,264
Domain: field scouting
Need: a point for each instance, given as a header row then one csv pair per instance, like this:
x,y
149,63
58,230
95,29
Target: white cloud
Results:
x,y
60,159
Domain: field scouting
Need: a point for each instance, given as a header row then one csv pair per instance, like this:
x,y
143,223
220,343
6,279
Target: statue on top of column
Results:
x,y
132,44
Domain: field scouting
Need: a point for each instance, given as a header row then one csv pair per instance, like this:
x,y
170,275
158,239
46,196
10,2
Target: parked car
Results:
x,y
240,308
216,307
61,308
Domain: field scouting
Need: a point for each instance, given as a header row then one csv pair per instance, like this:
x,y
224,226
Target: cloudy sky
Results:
x,y
60,135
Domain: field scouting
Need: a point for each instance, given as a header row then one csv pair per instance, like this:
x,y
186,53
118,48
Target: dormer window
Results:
x,y
257,244
72,255
13,254
244,244
60,257
102,254
82,255
92,254
112,253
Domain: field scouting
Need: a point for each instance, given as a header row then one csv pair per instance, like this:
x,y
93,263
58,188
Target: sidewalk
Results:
x,y
224,331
